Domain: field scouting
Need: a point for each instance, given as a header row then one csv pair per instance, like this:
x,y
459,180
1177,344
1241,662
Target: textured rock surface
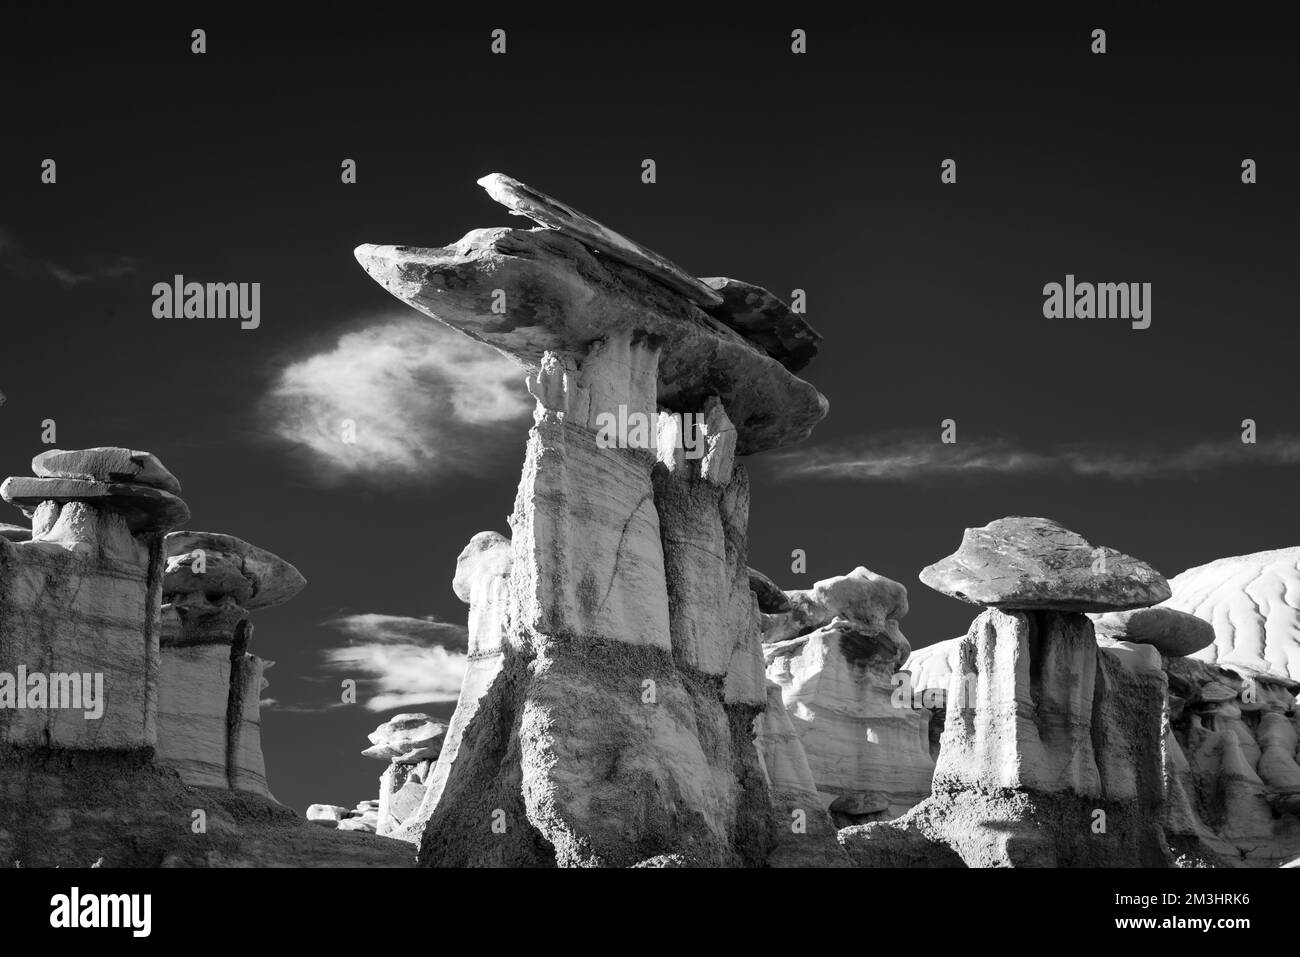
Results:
x,y
1061,734
209,702
81,598
1034,563
1253,602
766,321
106,465
1170,632
561,298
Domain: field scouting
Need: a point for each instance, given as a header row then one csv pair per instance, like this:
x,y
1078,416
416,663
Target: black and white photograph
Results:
x,y
463,438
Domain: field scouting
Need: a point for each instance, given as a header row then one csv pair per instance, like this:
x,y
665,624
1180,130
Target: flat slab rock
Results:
x,y
145,507
1172,633
106,464
766,321
1034,563
254,577
561,297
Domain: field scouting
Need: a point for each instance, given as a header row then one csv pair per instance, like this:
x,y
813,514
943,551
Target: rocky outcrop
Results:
x,y
1034,563
210,685
410,743
1172,633
81,640
1253,602
1057,760
615,678
867,748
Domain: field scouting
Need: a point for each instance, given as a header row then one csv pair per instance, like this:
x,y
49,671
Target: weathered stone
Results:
x,y
407,739
561,298
863,596
766,321
252,576
106,465
1170,632
771,599
1056,729
326,812
1034,563
145,508
870,760
1253,602
15,533
525,201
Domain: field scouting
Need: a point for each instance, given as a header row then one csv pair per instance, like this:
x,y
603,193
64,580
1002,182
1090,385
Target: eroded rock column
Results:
x,y
209,714
79,601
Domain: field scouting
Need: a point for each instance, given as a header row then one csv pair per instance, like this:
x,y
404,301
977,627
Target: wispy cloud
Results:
x,y
897,457
16,259
400,398
400,662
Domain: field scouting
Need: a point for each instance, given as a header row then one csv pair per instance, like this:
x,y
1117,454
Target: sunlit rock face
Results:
x,y
615,698
1052,746
79,600
836,657
209,713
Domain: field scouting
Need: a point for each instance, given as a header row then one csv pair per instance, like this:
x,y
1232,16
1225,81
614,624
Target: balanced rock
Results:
x,y
1253,603
1170,632
1034,563
106,465
251,576
406,739
862,596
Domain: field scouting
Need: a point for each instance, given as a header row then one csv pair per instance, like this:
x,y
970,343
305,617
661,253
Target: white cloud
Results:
x,y
400,662
424,399
892,458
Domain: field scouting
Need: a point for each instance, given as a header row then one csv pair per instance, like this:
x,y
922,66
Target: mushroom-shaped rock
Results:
x,y
406,739
771,599
1172,633
862,596
486,556
562,297
1036,564
1253,603
217,565
106,464
766,321
145,508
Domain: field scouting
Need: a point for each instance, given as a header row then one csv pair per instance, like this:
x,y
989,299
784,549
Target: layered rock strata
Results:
x,y
616,675
209,713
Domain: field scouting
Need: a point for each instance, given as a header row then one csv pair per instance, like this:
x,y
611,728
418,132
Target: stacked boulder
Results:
x,y
835,655
210,688
1057,760
615,665
410,743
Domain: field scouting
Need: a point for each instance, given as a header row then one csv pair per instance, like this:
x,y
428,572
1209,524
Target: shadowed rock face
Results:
x,y
1170,632
1034,563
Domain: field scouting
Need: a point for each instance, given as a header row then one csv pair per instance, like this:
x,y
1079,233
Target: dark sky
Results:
x,y
819,172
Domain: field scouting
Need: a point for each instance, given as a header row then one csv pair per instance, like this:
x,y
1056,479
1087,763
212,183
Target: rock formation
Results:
x,y
210,686
616,675
1253,602
1057,761
410,743
835,656
82,674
